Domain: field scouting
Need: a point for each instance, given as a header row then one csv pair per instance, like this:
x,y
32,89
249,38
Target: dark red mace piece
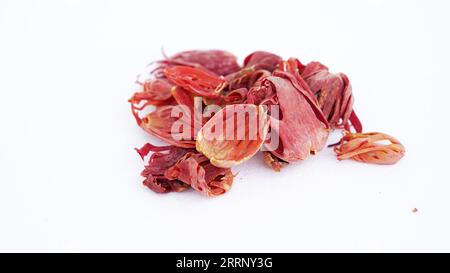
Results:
x,y
161,159
196,170
301,131
334,94
247,77
176,169
262,60
217,61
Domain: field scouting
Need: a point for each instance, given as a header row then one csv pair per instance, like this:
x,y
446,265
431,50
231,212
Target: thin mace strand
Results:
x,y
367,147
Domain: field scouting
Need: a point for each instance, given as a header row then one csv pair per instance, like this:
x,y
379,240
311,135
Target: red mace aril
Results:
x,y
369,148
196,80
195,170
160,123
162,120
154,173
334,94
245,78
233,135
300,131
262,60
176,169
155,92
237,96
218,62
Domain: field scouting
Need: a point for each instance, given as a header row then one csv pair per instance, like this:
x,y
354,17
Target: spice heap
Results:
x,y
215,114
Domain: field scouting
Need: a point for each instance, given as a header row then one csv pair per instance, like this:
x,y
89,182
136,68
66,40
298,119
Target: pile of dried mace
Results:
x,y
215,114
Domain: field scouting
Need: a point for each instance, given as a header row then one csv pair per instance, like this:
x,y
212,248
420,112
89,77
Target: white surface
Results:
x,y
69,178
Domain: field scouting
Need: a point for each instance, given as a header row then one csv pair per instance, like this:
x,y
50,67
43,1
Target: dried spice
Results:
x,y
160,124
262,60
198,81
232,145
216,114
273,162
176,169
218,62
369,148
195,170
156,92
334,94
300,132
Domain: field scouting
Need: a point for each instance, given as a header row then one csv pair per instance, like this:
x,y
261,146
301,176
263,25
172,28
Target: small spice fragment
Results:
x,y
273,162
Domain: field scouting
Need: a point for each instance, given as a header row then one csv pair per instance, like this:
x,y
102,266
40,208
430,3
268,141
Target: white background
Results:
x,y
69,178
